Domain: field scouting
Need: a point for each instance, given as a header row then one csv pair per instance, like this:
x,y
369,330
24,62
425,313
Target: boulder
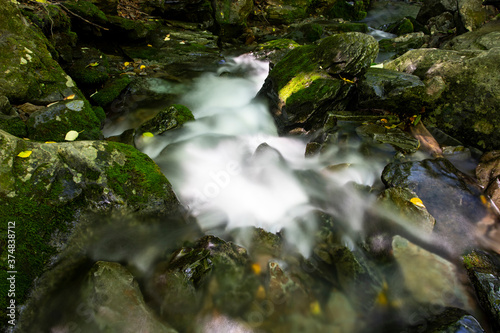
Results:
x,y
465,89
231,17
45,187
312,79
397,92
402,44
286,11
484,38
483,269
467,15
113,302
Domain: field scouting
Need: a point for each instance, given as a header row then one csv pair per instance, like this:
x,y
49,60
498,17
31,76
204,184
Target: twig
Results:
x,y
69,11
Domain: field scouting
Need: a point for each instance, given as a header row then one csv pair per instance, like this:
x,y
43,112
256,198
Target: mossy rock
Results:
x,y
45,193
87,10
169,118
351,11
467,108
90,67
111,90
13,125
124,28
29,73
53,122
310,80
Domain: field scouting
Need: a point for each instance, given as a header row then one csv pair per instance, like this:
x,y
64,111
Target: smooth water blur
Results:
x,y
232,170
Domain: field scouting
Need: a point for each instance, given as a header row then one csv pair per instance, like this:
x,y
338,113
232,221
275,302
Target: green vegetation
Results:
x,y
111,90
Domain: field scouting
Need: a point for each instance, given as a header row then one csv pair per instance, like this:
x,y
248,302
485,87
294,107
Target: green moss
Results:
x,y
138,176
87,9
297,61
92,69
13,125
53,124
316,88
111,90
184,114
279,44
37,217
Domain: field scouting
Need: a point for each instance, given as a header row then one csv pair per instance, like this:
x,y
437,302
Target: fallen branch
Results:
x,y
427,141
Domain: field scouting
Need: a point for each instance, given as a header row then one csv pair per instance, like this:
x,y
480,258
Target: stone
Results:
x,y
467,107
400,140
483,269
113,302
169,118
310,80
397,92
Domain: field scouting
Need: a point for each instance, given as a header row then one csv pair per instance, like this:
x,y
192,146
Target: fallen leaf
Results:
x,y
50,142
70,97
24,154
142,67
315,308
149,45
256,268
126,63
417,202
147,134
93,64
71,136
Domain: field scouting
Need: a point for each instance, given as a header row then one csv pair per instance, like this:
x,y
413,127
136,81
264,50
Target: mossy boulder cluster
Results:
x,y
312,79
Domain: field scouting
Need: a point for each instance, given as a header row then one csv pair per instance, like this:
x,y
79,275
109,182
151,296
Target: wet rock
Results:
x,y
466,108
488,174
439,184
391,90
484,272
448,319
193,11
429,278
396,137
113,302
13,125
399,200
308,82
169,118
212,271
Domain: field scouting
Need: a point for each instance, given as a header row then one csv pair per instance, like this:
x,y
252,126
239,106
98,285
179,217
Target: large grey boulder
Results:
x,y
465,88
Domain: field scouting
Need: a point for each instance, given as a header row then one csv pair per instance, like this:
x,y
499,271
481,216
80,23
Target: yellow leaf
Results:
x,y
346,80
27,139
261,292
417,202
149,45
315,308
147,134
50,142
93,64
142,67
24,154
256,268
71,136
70,97
126,63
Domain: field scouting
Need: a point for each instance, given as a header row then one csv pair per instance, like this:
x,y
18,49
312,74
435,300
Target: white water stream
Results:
x,y
214,170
